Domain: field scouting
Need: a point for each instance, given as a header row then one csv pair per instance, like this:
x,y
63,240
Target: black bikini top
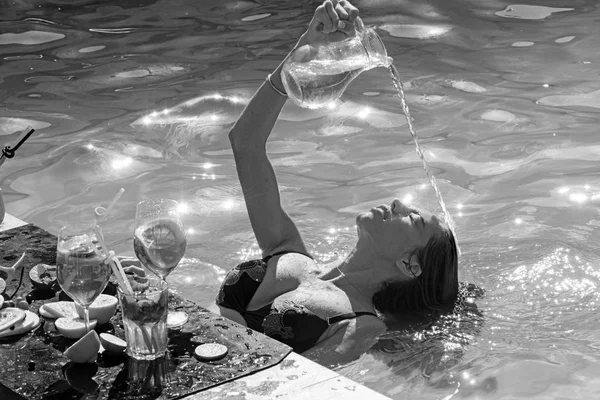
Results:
x,y
287,321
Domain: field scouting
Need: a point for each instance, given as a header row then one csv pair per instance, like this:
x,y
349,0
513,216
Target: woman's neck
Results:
x,y
355,275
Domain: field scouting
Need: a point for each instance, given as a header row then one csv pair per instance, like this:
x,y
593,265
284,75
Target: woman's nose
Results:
x,y
399,207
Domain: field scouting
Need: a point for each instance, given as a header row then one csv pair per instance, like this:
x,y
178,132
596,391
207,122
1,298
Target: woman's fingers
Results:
x,y
133,270
341,12
333,16
350,10
322,18
127,261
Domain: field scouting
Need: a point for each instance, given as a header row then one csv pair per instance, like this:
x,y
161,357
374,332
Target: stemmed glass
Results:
x,y
83,269
159,242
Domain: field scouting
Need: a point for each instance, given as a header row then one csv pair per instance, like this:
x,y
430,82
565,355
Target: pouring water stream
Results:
x,y
433,182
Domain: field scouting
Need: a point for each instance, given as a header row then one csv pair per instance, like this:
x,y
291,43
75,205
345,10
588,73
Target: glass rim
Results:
x,y
78,225
156,200
162,285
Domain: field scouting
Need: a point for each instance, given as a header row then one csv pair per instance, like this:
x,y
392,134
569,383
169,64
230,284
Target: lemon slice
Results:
x,y
10,316
43,276
102,309
161,233
210,351
30,322
85,349
73,328
112,344
58,309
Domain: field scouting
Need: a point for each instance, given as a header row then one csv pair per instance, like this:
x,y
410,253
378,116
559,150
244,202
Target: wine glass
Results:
x,y
159,242
82,265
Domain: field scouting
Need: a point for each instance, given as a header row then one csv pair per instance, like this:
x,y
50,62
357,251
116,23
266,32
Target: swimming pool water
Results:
x,y
505,96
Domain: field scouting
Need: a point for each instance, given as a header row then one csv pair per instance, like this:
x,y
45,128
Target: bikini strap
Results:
x,y
341,317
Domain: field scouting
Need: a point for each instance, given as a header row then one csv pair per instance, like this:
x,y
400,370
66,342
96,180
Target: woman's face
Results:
x,y
395,228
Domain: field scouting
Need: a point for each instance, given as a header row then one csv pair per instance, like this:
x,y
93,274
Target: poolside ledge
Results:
x,y
295,378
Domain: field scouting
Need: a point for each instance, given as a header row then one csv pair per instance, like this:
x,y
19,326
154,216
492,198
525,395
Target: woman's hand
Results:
x,y
131,265
333,21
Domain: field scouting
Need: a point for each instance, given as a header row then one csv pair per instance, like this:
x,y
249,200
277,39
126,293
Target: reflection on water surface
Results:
x,y
141,95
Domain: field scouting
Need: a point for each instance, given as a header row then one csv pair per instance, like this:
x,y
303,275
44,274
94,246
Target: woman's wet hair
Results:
x,y
435,343
436,286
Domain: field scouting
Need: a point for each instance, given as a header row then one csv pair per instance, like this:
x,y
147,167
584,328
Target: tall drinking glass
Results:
x,y
159,242
83,270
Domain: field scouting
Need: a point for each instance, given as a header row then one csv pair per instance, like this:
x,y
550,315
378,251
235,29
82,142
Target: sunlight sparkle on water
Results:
x,y
518,221
579,198
190,231
579,194
208,165
250,252
183,208
407,199
121,163
228,204
234,99
364,113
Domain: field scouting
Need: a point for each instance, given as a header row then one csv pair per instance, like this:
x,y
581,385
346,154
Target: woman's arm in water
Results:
x,y
274,229
350,339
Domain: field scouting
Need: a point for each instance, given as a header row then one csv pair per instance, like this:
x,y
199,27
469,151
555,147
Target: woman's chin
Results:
x,y
363,220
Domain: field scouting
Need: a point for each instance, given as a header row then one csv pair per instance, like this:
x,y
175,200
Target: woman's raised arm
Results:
x,y
273,228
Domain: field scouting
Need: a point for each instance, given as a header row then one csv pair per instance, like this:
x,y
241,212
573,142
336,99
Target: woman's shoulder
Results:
x,y
287,254
299,265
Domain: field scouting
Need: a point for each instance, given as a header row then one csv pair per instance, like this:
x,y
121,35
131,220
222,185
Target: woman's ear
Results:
x,y
409,266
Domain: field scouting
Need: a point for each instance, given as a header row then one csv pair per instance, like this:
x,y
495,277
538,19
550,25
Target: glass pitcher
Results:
x,y
316,75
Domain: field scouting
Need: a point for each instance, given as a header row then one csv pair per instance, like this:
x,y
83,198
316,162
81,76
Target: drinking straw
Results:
x,y
119,273
114,200
103,212
115,265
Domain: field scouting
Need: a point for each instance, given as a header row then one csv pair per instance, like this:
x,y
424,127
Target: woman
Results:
x,y
404,261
